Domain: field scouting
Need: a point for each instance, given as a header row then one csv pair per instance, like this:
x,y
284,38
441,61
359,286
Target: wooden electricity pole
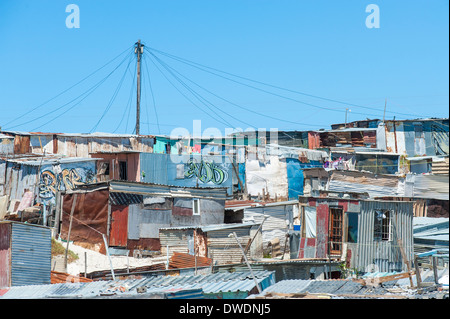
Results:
x,y
139,50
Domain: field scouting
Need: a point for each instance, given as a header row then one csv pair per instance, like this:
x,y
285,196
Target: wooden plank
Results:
x,y
379,280
405,260
70,228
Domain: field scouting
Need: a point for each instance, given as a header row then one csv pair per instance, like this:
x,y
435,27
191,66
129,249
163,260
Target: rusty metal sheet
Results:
x,y
182,260
90,217
21,144
119,226
5,255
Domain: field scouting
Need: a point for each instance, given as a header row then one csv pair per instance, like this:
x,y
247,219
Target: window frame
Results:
x,y
196,207
383,226
347,224
334,226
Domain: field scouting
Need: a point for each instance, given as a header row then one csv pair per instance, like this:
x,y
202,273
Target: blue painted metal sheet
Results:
x,y
187,170
30,255
295,176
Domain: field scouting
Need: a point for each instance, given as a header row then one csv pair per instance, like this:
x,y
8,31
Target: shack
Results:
x,y
30,179
416,137
78,144
129,214
25,254
214,241
191,170
275,172
277,220
366,234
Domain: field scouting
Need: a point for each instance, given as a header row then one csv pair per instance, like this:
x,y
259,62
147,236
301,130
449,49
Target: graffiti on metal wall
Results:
x,y
439,136
206,172
67,179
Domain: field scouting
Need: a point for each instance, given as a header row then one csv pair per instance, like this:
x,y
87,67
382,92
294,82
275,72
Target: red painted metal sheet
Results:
x,y
314,140
322,231
5,254
119,226
301,251
305,243
181,211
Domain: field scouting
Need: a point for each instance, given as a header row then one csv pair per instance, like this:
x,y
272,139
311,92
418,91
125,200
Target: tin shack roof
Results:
x,y
208,284
151,189
37,160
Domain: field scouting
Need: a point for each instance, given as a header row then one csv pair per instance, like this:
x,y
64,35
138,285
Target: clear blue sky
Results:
x,y
322,49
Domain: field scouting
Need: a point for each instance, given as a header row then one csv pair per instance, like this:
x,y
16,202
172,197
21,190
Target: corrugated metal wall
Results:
x,y
178,240
19,177
5,254
82,146
221,248
225,250
6,145
275,226
30,254
384,255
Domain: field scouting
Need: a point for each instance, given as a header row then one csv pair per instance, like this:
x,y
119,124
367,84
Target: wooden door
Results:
x,y
119,226
335,231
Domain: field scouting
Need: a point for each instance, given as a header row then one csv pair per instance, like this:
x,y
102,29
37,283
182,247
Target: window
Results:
x,y
335,235
196,206
383,225
103,168
352,227
123,171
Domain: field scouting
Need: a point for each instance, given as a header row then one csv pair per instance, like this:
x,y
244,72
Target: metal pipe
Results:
x,y
246,261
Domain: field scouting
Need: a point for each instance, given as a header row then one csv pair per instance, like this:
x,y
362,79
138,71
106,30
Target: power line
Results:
x,y
130,98
82,80
194,64
168,67
242,107
153,95
185,95
113,97
268,92
86,93
195,94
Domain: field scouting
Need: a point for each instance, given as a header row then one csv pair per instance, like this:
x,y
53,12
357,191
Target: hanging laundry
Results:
x,y
197,148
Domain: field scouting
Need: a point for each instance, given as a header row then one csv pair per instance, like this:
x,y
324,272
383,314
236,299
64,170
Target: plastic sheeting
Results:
x,y
310,222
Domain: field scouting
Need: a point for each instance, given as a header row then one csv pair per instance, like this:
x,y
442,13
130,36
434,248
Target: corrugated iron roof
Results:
x,y
242,204
332,287
210,284
125,198
36,160
206,228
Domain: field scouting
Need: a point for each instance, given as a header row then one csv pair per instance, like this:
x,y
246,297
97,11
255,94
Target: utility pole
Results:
x,y
346,110
138,50
384,113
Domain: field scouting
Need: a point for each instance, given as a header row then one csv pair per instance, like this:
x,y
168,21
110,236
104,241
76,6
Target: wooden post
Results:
x,y
435,272
246,261
405,260
418,278
109,257
70,228
195,258
253,238
85,264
